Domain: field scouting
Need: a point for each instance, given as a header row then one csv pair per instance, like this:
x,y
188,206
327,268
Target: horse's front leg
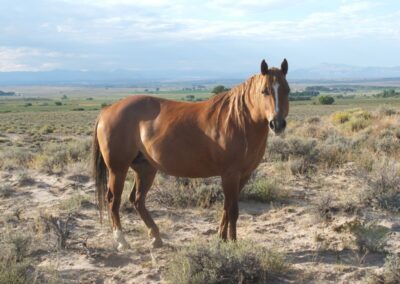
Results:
x,y
231,188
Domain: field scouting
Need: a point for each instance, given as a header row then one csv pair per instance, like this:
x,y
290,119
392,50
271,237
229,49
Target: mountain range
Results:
x,y
322,72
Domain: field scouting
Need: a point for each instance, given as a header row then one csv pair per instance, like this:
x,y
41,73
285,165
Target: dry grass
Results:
x,y
221,262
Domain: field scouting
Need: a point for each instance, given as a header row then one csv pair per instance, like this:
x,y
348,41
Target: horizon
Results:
x,y
222,37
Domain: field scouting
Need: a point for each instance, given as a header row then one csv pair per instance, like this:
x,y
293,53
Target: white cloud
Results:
x,y
29,59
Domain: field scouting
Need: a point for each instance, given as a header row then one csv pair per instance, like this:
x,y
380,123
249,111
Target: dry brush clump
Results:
x,y
353,135
383,186
185,192
15,265
227,262
264,190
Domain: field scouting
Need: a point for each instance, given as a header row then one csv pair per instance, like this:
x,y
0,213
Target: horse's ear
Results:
x,y
264,67
284,66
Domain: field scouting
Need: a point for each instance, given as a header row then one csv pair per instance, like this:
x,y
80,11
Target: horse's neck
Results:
x,y
240,109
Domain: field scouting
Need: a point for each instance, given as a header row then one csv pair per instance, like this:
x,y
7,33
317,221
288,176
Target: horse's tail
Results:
x,y
99,172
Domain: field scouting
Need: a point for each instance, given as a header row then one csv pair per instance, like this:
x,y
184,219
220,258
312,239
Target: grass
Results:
x,y
227,262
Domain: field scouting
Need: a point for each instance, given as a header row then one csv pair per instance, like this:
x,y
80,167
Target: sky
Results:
x,y
217,36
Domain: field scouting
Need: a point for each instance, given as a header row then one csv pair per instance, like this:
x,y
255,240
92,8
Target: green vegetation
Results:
x,y
326,100
219,89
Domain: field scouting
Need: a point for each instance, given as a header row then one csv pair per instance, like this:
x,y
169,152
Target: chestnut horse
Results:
x,y
224,136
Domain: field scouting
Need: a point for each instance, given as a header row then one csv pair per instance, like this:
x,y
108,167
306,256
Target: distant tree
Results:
x,y
190,98
64,97
219,89
326,100
57,103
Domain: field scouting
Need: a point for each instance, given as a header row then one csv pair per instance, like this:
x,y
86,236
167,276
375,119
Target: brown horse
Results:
x,y
224,136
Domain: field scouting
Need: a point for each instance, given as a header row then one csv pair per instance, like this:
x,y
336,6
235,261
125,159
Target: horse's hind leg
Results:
x,y
144,176
115,187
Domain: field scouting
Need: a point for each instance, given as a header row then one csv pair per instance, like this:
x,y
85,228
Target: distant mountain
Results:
x,y
323,72
114,78
344,72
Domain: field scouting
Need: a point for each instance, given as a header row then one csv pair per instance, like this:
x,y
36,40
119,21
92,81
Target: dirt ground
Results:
x,y
321,249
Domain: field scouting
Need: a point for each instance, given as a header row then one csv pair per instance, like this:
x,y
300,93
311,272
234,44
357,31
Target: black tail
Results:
x,y
99,173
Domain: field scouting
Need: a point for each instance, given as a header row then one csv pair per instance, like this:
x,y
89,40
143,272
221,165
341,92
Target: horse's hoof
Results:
x,y
157,243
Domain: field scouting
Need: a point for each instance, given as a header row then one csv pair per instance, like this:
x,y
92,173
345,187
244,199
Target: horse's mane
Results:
x,y
233,106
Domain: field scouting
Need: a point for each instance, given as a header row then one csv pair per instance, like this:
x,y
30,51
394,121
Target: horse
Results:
x,y
224,136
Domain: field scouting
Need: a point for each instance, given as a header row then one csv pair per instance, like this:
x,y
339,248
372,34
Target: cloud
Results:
x,y
30,59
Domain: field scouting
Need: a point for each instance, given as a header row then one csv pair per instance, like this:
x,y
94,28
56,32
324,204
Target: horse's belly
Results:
x,y
179,158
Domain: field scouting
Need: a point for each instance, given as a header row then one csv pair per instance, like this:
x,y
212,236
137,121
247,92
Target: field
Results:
x,y
322,207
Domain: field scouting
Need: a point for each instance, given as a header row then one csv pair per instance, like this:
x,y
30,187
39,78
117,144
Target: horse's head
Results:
x,y
275,90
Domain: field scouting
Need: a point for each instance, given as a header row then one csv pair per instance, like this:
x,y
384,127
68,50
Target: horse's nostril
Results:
x,y
272,124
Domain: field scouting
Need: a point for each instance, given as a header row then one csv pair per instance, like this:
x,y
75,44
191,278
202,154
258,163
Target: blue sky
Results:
x,y
220,36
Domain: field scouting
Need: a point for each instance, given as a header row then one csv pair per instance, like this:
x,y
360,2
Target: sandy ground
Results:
x,y
322,251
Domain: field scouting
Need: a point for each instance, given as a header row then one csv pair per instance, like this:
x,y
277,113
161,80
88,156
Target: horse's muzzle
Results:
x,y
277,125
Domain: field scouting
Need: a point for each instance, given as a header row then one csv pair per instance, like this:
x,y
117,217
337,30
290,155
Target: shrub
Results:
x,y
391,272
186,193
369,237
264,191
384,186
219,89
326,100
14,266
46,129
58,103
226,262
340,117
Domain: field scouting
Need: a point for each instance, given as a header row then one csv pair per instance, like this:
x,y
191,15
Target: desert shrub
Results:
x,y
27,104
358,123
365,161
186,193
277,149
323,207
264,190
314,119
6,191
386,111
55,157
58,103
369,237
74,202
340,117
300,166
226,262
15,158
387,143
383,189
46,129
391,273
334,151
14,266
24,179
353,119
